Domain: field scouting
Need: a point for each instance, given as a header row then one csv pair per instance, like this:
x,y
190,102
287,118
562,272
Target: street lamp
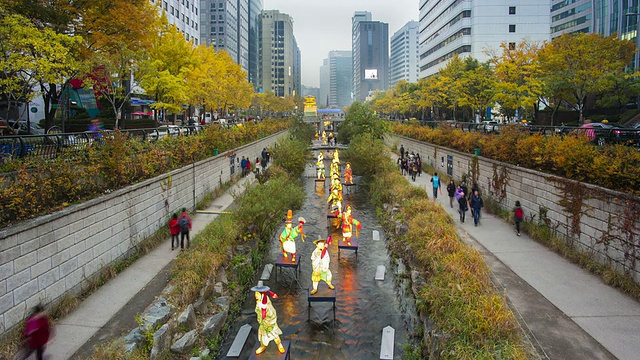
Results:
x,y
636,56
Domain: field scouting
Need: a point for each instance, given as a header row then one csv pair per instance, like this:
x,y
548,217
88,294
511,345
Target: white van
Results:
x,y
207,118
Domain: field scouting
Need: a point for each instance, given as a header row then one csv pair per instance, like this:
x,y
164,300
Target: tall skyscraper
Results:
x,y
255,8
224,24
297,69
370,49
325,79
469,28
340,79
184,15
571,16
279,54
404,59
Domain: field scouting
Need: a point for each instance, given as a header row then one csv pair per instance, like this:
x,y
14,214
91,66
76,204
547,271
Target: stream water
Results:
x,y
364,306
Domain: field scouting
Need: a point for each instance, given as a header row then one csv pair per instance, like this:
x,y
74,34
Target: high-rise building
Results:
x,y
297,69
325,79
224,24
404,61
571,16
184,15
339,78
473,27
311,91
255,7
279,54
370,50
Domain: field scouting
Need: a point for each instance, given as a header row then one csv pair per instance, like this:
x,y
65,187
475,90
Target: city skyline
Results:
x,y
325,26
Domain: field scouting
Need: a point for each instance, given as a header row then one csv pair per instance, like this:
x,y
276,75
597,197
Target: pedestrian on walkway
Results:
x,y
518,215
185,228
248,170
451,191
243,166
401,151
463,206
174,228
36,334
436,185
257,169
419,164
476,204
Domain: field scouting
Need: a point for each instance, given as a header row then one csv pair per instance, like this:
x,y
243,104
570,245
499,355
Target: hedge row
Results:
x,y
616,167
40,186
458,296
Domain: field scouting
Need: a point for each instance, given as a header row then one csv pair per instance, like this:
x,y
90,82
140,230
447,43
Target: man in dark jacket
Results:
x,y
476,205
451,191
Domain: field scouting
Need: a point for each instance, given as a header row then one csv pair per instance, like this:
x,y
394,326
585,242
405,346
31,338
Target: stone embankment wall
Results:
x,y
601,222
44,258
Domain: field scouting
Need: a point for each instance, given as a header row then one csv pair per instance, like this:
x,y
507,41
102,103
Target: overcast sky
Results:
x,y
324,25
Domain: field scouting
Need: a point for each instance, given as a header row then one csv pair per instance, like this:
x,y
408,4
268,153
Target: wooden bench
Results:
x,y
324,294
342,245
387,343
239,341
272,352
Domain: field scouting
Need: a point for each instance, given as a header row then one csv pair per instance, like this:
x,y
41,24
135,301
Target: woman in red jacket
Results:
x,y
175,230
36,333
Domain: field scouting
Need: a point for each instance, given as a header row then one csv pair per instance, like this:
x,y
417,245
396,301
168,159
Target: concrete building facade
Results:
x,y
473,27
340,62
255,8
184,15
404,61
224,24
325,79
571,16
278,55
370,50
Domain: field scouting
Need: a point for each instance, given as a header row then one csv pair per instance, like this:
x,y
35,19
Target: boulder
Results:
x,y
157,315
187,318
186,343
223,301
160,341
222,276
214,324
132,339
218,288
200,306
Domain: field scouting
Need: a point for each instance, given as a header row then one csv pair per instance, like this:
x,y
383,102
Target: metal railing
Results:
x,y
53,145
599,136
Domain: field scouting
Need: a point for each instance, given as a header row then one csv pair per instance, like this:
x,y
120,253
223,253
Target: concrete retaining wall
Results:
x,y
44,258
599,221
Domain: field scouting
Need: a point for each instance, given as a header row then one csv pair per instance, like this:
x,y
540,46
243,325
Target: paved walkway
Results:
x,y
77,328
569,313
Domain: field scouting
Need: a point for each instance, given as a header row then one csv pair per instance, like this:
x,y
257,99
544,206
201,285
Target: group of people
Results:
x,y
180,227
466,200
410,163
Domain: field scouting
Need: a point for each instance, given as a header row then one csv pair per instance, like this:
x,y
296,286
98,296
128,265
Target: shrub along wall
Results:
x,y
602,223
471,321
43,258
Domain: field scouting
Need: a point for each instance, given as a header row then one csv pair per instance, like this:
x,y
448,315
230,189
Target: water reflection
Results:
x,y
364,306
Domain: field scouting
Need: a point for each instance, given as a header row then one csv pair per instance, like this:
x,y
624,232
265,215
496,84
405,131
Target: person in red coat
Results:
x,y
174,228
36,333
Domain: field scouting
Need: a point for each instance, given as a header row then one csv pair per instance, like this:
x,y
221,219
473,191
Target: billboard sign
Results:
x,y
371,74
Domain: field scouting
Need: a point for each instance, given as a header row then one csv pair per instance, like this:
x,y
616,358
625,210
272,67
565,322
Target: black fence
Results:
x,y
597,135
70,144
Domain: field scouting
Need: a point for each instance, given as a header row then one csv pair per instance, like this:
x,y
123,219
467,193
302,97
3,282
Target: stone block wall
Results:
x,y
44,258
601,222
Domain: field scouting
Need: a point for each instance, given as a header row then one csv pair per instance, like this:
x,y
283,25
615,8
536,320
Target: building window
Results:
x,y
166,6
512,46
512,28
220,5
172,10
512,10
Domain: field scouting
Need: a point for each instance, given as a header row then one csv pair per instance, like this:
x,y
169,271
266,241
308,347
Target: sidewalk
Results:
x,y
569,313
94,312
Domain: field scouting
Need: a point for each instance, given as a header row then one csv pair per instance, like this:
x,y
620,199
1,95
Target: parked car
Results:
x,y
599,132
490,126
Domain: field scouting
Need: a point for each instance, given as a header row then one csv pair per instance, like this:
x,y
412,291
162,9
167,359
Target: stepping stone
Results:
x,y
266,273
238,342
380,272
386,345
376,235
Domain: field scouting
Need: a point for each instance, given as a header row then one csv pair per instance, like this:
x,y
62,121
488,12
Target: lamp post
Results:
x,y
637,53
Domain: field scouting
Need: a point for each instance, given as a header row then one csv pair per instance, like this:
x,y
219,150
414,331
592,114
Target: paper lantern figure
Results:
x,y
335,198
348,174
324,138
336,157
320,170
289,235
348,222
268,329
320,264
321,156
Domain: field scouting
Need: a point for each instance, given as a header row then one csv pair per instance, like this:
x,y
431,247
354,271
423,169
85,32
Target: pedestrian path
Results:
x,y
570,313
94,312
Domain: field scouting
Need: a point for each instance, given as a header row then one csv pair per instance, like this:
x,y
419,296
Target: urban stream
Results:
x,y
364,306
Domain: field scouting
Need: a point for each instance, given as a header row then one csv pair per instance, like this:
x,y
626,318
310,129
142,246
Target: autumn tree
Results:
x,y
360,119
583,64
479,84
449,83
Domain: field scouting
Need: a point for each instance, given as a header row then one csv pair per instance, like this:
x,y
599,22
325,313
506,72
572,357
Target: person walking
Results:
x,y
518,216
401,151
463,206
243,166
37,331
419,164
185,227
436,185
174,229
451,191
476,204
